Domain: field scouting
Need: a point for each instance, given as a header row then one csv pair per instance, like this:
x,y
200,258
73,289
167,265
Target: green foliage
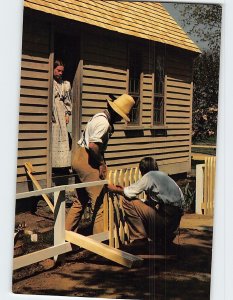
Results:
x,y
203,23
205,96
189,197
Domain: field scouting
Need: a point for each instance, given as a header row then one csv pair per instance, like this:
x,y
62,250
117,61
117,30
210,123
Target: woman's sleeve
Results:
x,y
67,100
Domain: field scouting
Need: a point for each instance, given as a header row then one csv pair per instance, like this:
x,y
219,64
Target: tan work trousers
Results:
x,y
145,221
86,171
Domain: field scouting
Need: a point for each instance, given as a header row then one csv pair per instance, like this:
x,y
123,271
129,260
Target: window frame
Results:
x,y
135,94
160,94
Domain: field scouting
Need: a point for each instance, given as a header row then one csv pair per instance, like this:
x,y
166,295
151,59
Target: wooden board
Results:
x,y
118,256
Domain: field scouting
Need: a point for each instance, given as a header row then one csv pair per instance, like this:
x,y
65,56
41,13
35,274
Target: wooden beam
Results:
x,y
100,237
29,169
116,255
31,258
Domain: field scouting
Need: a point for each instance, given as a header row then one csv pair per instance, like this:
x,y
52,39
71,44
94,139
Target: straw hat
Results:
x,y
122,106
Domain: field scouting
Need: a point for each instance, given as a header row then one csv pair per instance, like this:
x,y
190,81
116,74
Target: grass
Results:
x,y
209,141
209,151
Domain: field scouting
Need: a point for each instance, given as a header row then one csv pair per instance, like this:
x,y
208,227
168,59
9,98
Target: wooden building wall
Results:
x,y
104,56
105,71
33,136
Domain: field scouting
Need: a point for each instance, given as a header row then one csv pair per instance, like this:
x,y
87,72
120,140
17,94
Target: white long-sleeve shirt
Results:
x,y
159,187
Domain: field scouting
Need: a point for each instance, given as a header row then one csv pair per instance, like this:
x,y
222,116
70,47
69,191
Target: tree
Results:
x,y
203,23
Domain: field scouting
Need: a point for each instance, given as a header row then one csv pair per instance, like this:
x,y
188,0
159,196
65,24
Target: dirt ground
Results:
x,y
84,274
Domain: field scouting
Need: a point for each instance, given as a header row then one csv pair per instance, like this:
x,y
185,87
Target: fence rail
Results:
x,y
64,240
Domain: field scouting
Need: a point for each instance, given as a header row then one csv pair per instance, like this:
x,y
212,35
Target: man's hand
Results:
x,y
67,118
103,171
115,189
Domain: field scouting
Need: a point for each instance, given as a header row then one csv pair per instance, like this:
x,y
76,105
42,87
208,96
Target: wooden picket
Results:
x,y
205,186
118,228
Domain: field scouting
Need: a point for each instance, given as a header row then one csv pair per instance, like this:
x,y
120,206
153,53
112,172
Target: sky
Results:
x,y
177,16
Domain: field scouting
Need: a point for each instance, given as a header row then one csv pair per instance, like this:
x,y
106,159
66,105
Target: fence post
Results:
x,y
199,188
59,218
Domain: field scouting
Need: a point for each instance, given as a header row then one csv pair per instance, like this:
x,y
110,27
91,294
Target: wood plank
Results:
x,y
114,89
100,237
178,96
32,144
24,178
31,258
34,58
33,109
34,160
32,135
179,84
35,65
34,101
129,151
144,146
178,90
179,132
30,127
32,153
33,118
173,108
34,92
120,257
166,140
90,67
39,169
178,102
176,168
104,75
104,82
170,160
135,158
69,187
34,83
179,78
181,120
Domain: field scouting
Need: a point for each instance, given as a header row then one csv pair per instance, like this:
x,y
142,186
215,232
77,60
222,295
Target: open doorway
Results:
x,y
67,50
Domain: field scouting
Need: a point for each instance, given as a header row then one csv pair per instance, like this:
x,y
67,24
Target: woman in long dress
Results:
x,y
61,116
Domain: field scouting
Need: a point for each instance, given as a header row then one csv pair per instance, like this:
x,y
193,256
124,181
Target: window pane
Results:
x,y
135,112
159,74
159,77
158,110
134,84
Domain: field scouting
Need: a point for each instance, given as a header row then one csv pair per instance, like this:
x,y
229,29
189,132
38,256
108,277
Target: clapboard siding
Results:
x,y
34,92
101,78
104,70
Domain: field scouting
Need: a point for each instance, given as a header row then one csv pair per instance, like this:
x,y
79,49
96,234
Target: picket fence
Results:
x,y
205,186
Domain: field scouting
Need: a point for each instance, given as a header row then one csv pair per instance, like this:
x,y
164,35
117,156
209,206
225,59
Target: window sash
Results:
x,y
134,91
159,87
158,114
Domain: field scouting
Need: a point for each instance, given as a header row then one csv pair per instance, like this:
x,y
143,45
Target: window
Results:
x,y
159,75
134,84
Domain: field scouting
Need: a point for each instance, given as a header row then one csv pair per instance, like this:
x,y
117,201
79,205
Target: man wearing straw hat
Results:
x,y
89,164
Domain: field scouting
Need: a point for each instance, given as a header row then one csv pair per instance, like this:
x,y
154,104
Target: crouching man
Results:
x,y
157,217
